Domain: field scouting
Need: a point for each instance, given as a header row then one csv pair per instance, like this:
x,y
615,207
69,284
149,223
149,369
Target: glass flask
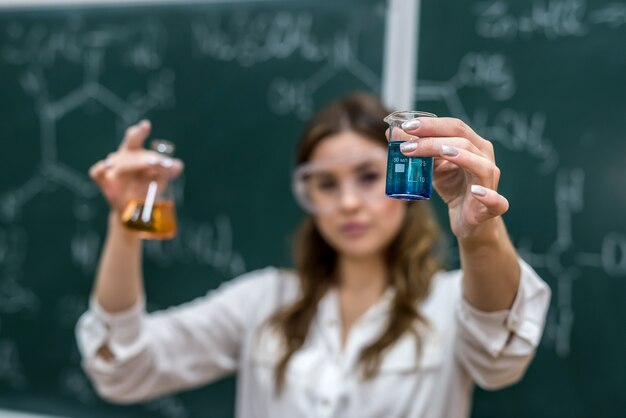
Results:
x,y
152,214
408,178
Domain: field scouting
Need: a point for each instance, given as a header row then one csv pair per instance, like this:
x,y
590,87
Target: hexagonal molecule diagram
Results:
x,y
78,78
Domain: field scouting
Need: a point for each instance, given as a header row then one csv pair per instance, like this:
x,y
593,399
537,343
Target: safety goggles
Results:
x,y
321,186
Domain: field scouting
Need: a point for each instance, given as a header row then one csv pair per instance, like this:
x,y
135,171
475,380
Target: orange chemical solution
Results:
x,y
161,223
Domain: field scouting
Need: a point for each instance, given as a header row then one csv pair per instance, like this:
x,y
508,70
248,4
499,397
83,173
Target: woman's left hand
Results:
x,y
465,173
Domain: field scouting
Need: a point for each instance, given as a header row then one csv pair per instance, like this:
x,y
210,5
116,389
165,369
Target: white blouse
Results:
x,y
224,333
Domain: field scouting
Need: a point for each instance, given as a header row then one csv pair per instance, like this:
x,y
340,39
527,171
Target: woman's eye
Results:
x,y
369,178
326,185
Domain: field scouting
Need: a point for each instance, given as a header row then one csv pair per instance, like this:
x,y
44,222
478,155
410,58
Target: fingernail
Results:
x,y
167,163
478,190
152,160
408,146
145,123
449,151
411,125
108,163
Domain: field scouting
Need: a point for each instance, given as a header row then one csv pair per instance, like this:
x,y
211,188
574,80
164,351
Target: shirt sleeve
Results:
x,y
496,347
177,348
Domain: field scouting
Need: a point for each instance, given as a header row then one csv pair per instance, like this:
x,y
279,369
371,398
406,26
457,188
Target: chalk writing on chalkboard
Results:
x,y
522,132
515,130
569,192
550,19
10,365
249,39
75,72
37,49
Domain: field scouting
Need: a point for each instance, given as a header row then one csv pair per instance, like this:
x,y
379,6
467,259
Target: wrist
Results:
x,y
491,233
114,219
117,228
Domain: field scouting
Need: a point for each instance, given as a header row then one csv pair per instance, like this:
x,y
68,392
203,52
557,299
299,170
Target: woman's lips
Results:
x,y
353,229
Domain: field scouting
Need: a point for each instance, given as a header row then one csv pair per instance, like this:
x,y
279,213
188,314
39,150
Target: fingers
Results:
x,y
481,168
136,135
487,204
399,135
495,204
446,127
442,165
96,172
148,163
431,146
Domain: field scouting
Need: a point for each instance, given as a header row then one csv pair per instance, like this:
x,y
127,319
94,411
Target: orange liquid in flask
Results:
x,y
160,224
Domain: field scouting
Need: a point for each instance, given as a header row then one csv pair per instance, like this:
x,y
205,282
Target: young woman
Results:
x,y
367,325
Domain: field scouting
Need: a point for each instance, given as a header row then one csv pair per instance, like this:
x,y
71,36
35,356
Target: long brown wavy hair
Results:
x,y
412,257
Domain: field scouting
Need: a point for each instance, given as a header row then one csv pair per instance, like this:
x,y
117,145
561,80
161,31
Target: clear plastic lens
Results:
x,y
321,187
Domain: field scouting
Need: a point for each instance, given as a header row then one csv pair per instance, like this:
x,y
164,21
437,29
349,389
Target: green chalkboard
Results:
x,y
546,81
231,84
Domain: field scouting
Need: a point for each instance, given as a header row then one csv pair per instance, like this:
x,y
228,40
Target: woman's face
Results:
x,y
363,221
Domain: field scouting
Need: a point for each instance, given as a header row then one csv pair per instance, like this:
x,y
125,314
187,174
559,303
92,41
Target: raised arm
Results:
x,y
466,177
501,312
122,175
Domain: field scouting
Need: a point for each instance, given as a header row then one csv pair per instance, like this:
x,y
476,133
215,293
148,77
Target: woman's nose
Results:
x,y
349,199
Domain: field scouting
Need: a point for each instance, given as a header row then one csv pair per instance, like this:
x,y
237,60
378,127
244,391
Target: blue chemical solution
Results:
x,y
408,178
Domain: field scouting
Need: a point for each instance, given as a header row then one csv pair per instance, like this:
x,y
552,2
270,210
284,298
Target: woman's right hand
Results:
x,y
124,174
